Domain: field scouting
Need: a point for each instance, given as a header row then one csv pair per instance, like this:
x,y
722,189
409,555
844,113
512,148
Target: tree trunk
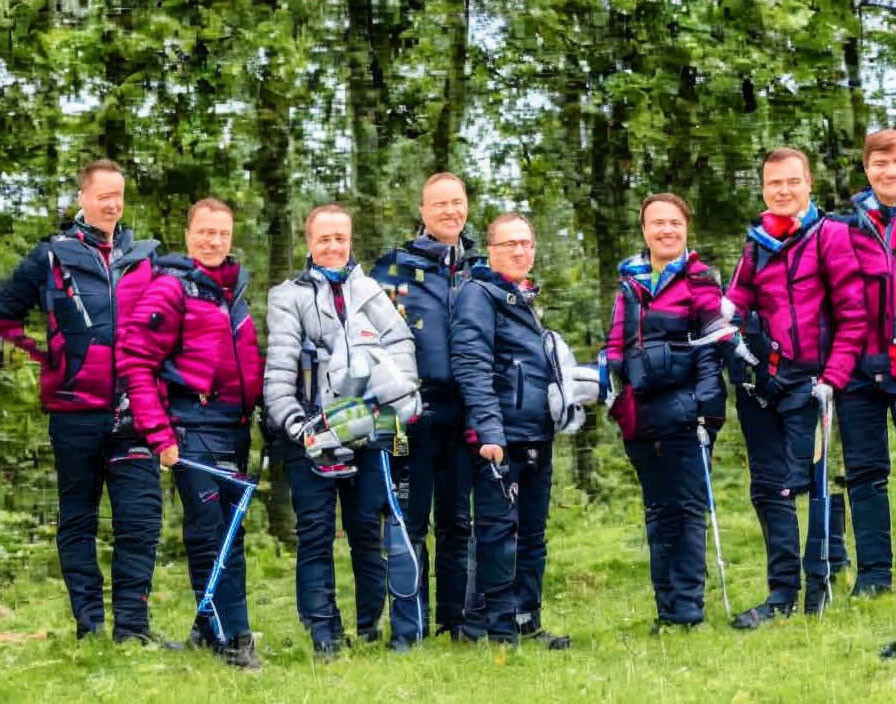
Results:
x,y
451,115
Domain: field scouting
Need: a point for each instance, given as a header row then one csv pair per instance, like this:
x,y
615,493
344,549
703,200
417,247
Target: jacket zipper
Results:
x,y
239,369
520,379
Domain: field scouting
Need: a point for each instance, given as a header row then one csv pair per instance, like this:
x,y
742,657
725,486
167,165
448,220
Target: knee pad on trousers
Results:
x,y
497,565
405,561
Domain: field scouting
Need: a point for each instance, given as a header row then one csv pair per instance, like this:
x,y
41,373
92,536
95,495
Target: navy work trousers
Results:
x,y
862,415
511,550
363,501
208,504
88,455
439,476
674,490
780,441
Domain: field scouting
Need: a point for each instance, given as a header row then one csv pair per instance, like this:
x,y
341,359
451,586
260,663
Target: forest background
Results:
x,y
570,111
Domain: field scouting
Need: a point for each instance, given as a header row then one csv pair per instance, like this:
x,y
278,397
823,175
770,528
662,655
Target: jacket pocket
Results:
x,y
658,365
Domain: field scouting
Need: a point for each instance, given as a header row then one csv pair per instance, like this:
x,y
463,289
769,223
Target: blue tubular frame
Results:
x,y
398,518
207,604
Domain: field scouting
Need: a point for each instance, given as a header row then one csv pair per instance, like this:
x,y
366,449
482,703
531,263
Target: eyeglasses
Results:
x,y
510,245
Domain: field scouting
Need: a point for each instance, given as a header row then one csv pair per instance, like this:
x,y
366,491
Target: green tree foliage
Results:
x,y
568,110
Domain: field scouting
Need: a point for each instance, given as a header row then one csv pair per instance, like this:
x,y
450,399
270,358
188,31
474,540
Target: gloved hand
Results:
x,y
294,428
823,393
743,352
702,432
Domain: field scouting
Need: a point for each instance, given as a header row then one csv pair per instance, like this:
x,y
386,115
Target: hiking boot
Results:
x,y
766,611
400,645
816,596
369,635
146,637
504,639
870,590
82,630
662,626
549,640
888,652
327,649
240,652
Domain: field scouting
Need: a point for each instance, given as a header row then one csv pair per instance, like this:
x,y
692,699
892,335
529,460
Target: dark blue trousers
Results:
x,y
363,502
88,455
439,467
674,490
208,504
862,415
780,443
511,550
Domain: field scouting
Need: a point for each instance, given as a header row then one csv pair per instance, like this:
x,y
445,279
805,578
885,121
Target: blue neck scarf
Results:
x,y
337,276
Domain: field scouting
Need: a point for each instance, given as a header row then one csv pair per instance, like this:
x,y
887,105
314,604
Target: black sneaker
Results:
x,y
549,640
888,652
146,637
240,652
751,618
816,596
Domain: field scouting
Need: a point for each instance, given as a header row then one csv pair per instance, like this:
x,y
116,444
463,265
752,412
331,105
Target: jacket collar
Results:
x,y
638,269
122,238
873,216
187,268
483,272
774,232
430,248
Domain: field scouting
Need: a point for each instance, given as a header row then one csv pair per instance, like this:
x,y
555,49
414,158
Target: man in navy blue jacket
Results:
x,y
499,359
420,277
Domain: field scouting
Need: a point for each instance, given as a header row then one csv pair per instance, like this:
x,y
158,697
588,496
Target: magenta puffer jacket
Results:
x,y
84,283
872,237
668,383
192,329
809,298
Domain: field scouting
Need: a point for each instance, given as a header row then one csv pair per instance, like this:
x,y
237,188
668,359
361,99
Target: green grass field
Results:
x,y
597,589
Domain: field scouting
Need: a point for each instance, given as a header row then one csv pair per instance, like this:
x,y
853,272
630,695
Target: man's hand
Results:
x,y
492,453
169,456
824,393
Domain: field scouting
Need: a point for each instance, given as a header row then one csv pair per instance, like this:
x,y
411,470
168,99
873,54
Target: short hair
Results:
x,y
880,141
783,153
320,210
503,219
213,204
87,171
675,200
442,176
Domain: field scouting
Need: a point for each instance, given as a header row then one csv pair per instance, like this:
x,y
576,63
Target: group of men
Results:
x,y
489,379
464,442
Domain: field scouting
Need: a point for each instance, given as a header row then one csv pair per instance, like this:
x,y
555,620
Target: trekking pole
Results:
x,y
404,568
822,494
207,604
703,441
